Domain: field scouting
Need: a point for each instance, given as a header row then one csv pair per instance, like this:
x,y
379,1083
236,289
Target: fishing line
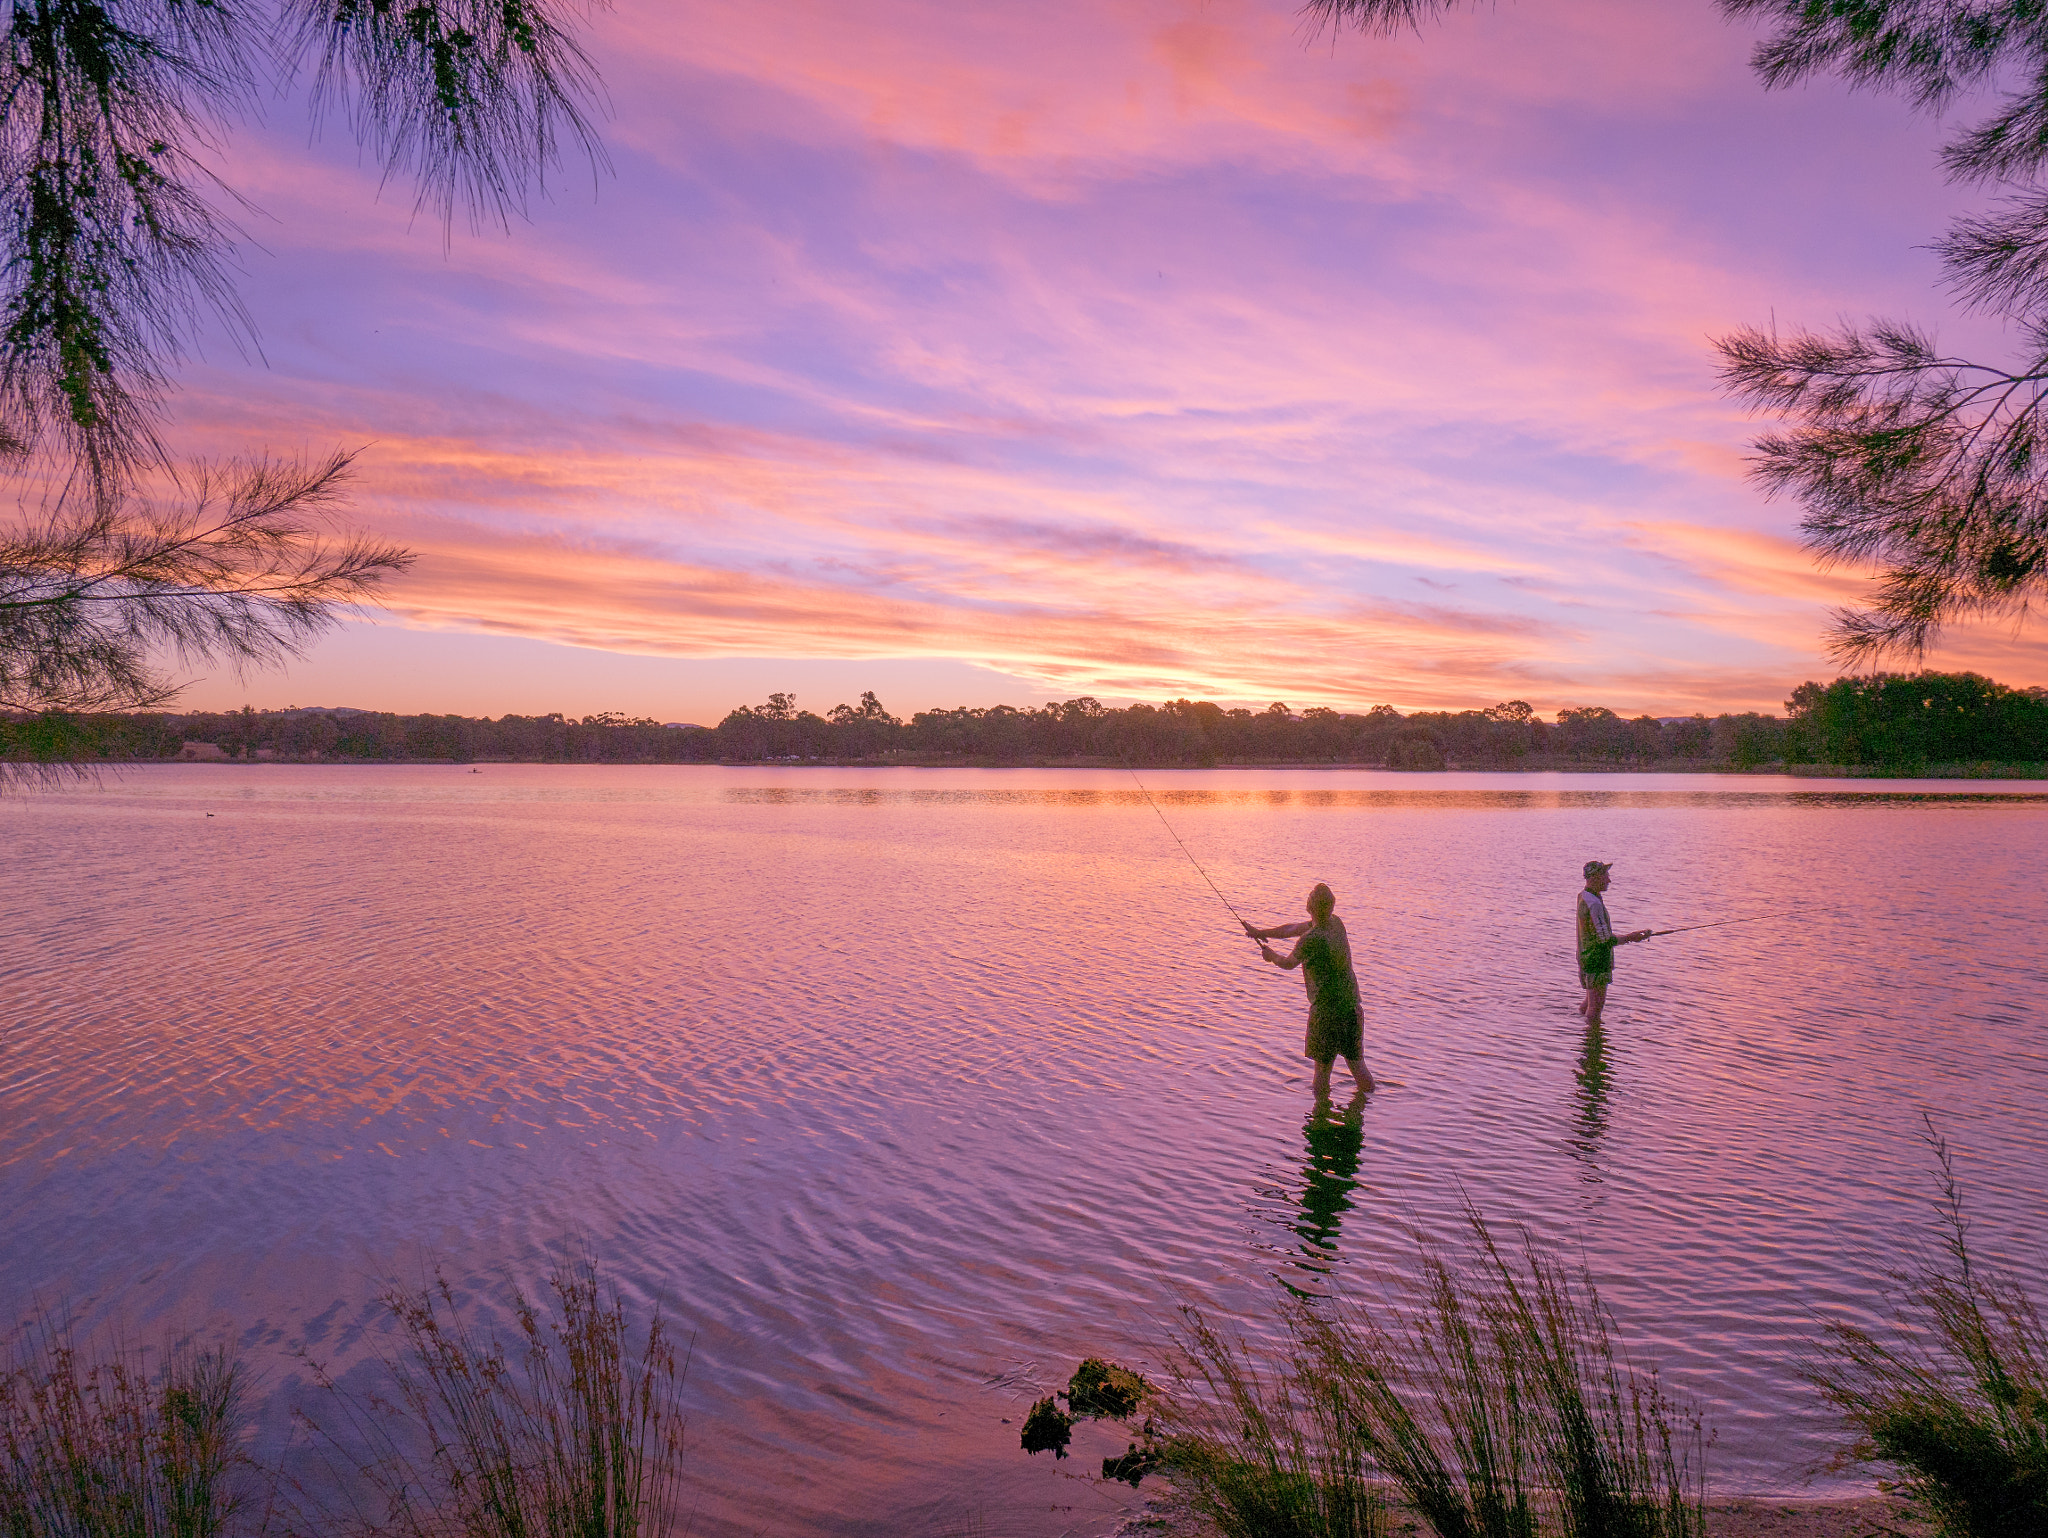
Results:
x,y
1231,908
1754,918
1183,847
1428,918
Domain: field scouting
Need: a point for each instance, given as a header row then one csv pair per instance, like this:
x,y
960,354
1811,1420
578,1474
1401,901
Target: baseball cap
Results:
x,y
1595,867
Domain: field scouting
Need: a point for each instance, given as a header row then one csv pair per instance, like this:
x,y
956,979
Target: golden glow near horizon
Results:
x,y
1135,350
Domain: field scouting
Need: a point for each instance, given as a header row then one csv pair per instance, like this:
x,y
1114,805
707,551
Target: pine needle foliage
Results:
x,y
472,100
108,1446
112,115
574,1431
1922,468
243,565
117,250
114,250
1931,469
1931,52
1951,1400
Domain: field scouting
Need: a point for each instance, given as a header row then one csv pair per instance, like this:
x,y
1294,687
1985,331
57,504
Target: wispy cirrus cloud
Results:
x,y
1135,348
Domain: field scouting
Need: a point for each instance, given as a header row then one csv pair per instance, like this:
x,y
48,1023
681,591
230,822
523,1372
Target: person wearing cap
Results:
x,y
1597,941
1322,949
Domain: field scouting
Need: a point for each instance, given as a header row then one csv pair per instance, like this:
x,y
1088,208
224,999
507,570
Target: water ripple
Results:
x,y
905,1089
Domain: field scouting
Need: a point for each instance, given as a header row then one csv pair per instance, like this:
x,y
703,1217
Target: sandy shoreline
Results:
x,y
1753,1516
1781,1517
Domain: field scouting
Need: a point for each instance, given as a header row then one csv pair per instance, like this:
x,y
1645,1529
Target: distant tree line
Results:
x,y
1899,722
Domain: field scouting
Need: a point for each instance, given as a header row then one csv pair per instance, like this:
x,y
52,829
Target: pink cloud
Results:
x,y
1131,347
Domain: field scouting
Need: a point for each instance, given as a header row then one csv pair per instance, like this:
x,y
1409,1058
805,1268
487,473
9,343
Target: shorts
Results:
x,y
1596,966
1334,1032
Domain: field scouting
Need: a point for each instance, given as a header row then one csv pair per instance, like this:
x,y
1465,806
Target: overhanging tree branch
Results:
x,y
1926,467
1377,18
1930,469
472,99
113,249
244,567
111,112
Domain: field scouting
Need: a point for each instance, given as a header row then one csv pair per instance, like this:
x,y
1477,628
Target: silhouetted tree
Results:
x,y
242,570
108,109
1912,720
1750,739
1905,721
1928,467
115,251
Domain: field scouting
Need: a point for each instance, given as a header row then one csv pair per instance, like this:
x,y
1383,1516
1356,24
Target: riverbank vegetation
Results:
x,y
109,1445
574,1431
1489,1396
1487,1393
1950,1398
1885,723
1493,1403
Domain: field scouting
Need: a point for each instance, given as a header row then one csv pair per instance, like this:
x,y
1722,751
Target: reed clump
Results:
x,y
1262,1453
107,1445
575,1431
1505,1403
1497,1404
1951,1400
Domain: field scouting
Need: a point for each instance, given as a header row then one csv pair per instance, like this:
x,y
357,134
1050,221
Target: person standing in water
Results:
x,y
1322,950
1597,941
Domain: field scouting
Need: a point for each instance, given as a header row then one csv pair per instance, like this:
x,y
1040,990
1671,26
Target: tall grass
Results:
x,y
1264,1454
103,1445
1497,1406
1620,1458
1438,1406
1952,1399
575,1432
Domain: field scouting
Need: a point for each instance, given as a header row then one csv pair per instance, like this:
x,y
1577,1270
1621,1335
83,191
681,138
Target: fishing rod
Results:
x,y
1356,901
1754,918
1683,929
1184,848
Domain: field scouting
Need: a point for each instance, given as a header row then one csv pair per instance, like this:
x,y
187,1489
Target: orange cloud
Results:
x,y
1129,347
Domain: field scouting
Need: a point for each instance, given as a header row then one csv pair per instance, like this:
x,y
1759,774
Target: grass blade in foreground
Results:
x,y
1264,1455
1498,1405
1952,1400
577,1433
101,1445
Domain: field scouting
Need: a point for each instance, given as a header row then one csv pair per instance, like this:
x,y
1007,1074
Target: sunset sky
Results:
x,y
1136,348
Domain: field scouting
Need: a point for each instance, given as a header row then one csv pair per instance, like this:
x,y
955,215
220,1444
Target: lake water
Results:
x,y
905,1089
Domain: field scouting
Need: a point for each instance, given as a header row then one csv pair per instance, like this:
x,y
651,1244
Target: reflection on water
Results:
x,y
1447,797
1329,1174
906,1090
1593,1078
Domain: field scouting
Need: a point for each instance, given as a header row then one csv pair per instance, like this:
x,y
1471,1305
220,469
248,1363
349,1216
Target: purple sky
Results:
x,y
1136,348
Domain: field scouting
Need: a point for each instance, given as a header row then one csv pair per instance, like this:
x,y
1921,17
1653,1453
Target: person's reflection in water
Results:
x,y
1329,1175
1594,1082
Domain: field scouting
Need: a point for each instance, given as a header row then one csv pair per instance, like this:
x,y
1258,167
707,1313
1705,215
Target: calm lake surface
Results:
x,y
905,1089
